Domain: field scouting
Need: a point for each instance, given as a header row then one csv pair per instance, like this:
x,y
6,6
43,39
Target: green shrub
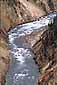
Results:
x,y
53,27
54,24
35,1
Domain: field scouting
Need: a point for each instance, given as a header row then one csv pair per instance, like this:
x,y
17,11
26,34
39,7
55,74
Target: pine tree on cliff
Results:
x,y
53,27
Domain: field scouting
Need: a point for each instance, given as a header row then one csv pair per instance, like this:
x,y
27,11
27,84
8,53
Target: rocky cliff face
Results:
x,y
46,5
45,50
44,47
18,11
4,57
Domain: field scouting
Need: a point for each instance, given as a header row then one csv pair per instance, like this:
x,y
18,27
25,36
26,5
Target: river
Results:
x,y
23,70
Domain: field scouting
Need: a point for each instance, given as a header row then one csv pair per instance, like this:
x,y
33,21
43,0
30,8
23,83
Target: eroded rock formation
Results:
x,y
44,47
14,12
4,57
46,5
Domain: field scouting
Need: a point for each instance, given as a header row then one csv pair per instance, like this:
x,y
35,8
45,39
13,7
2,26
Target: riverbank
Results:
x,y
4,57
44,47
16,12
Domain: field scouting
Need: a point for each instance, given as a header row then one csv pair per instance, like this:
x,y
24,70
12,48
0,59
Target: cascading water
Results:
x,y
23,70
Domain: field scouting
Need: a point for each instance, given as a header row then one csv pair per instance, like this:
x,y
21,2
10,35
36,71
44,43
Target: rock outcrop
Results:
x,y
44,47
4,57
46,5
45,51
14,12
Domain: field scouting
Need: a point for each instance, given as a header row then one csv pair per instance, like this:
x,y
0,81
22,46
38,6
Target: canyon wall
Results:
x,y
4,57
14,12
44,46
45,51
47,5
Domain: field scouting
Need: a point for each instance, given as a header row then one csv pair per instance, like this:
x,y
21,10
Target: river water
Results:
x,y
23,70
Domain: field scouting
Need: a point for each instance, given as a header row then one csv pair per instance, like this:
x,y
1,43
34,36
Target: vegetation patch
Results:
x,y
53,27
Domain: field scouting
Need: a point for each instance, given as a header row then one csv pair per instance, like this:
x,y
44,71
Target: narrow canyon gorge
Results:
x,y
43,43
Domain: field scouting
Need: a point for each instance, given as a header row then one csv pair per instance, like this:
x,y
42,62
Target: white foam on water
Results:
x,y
21,76
28,28
11,39
20,54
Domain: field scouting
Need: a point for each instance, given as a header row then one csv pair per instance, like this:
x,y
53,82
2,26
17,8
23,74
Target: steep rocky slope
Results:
x,y
4,57
44,47
46,5
18,11
45,51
